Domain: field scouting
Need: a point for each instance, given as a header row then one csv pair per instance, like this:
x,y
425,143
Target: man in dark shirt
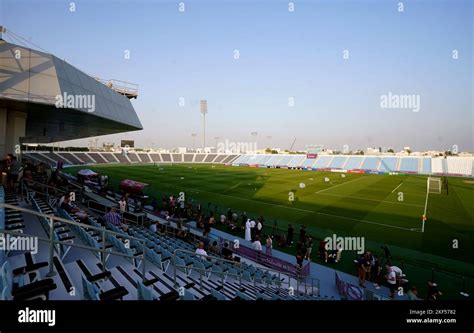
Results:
x,y
226,252
302,233
289,235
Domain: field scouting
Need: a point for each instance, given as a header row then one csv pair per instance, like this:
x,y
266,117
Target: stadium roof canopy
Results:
x,y
30,83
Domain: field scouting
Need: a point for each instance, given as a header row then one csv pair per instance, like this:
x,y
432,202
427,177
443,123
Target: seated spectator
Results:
x,y
71,209
200,250
222,219
154,227
114,218
413,294
227,253
65,204
213,248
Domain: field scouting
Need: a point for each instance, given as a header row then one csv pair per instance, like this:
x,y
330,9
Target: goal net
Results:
x,y
434,185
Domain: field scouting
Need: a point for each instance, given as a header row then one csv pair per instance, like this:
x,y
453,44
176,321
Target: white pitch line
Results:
x,y
302,209
350,181
375,200
397,187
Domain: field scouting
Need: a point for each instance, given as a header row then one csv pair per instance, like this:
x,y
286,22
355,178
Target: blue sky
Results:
x,y
283,55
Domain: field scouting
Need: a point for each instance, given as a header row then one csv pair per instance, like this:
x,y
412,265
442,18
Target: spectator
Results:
x,y
259,228
413,294
71,209
213,248
370,258
377,272
114,218
299,260
252,229
362,266
257,245
222,219
205,239
200,250
323,252
309,248
391,278
248,233
302,233
123,204
154,227
269,246
65,204
244,220
212,220
289,235
227,253
229,215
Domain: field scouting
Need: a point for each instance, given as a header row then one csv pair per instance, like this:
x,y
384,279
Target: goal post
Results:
x,y
434,185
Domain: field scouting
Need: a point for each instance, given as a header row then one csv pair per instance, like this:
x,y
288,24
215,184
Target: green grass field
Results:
x,y
355,205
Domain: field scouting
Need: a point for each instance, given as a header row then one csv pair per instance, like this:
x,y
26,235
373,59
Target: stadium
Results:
x,y
226,220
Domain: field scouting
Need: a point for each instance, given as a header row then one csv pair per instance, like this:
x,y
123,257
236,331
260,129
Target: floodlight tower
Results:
x,y
204,111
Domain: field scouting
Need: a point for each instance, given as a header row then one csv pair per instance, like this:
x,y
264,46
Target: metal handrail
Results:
x,y
239,276
52,241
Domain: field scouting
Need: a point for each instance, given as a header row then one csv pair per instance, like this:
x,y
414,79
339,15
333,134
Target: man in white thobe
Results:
x,y
248,236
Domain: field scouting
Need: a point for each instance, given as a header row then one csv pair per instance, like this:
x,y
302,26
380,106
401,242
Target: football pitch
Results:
x,y
384,209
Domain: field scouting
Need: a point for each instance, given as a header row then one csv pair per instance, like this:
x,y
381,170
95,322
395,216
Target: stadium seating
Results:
x,y
453,165
84,157
177,158
370,163
426,166
388,164
122,158
297,161
353,162
409,164
438,165
322,161
97,158
308,163
461,166
133,157
283,162
144,158
338,162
